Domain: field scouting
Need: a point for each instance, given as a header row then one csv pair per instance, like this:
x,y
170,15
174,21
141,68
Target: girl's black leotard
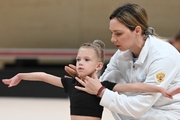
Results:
x,y
82,103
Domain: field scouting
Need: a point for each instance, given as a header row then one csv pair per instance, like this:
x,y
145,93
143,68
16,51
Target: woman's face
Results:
x,y
122,37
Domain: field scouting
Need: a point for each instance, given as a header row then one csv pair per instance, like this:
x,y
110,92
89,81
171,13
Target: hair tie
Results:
x,y
152,30
149,31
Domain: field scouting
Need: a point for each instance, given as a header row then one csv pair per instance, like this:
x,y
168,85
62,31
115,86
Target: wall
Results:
x,y
68,23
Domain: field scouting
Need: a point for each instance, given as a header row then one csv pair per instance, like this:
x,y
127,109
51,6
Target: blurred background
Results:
x,y
68,23
44,35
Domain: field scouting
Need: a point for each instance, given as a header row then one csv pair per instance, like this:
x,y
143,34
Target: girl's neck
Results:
x,y
83,78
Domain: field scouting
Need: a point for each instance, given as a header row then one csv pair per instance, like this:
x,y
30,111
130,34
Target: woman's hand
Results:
x,y
71,70
91,85
12,81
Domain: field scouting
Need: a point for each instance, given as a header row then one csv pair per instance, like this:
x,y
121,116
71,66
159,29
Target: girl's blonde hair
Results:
x,y
98,46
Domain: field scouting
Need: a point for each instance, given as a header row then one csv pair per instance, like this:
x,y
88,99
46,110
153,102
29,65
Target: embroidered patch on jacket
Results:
x,y
141,77
160,77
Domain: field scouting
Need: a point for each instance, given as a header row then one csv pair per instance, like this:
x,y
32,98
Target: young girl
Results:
x,y
89,60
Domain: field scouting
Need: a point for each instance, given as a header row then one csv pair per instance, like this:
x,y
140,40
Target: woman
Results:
x,y
144,57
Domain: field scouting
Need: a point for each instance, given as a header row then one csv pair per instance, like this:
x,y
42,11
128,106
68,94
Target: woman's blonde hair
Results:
x,y
132,15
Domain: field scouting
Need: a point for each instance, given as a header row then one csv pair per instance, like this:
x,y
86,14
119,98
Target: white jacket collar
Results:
x,y
127,55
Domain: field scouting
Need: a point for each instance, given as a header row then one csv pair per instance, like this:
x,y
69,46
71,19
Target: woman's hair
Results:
x,y
132,15
98,46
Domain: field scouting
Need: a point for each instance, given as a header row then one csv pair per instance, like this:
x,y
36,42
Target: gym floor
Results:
x,y
19,108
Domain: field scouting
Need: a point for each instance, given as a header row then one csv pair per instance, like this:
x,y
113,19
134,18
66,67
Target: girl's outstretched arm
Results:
x,y
141,87
33,76
174,92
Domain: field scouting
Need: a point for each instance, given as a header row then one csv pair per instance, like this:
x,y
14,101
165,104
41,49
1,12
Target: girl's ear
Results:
x,y
99,66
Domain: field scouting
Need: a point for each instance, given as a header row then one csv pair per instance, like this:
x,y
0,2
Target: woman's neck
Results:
x,y
138,47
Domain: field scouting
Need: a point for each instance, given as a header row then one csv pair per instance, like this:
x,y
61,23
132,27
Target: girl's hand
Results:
x,y
174,92
170,94
12,82
166,94
91,85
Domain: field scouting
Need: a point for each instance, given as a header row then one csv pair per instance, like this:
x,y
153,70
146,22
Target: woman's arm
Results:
x,y
34,76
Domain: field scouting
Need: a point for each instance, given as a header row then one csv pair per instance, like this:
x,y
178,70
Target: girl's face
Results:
x,y
86,62
122,37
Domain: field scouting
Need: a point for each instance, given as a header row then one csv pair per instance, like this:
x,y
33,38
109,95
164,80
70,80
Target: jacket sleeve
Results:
x,y
135,106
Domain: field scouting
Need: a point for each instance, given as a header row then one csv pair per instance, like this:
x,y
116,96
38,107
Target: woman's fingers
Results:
x,y
71,70
80,88
72,66
80,81
91,85
87,85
